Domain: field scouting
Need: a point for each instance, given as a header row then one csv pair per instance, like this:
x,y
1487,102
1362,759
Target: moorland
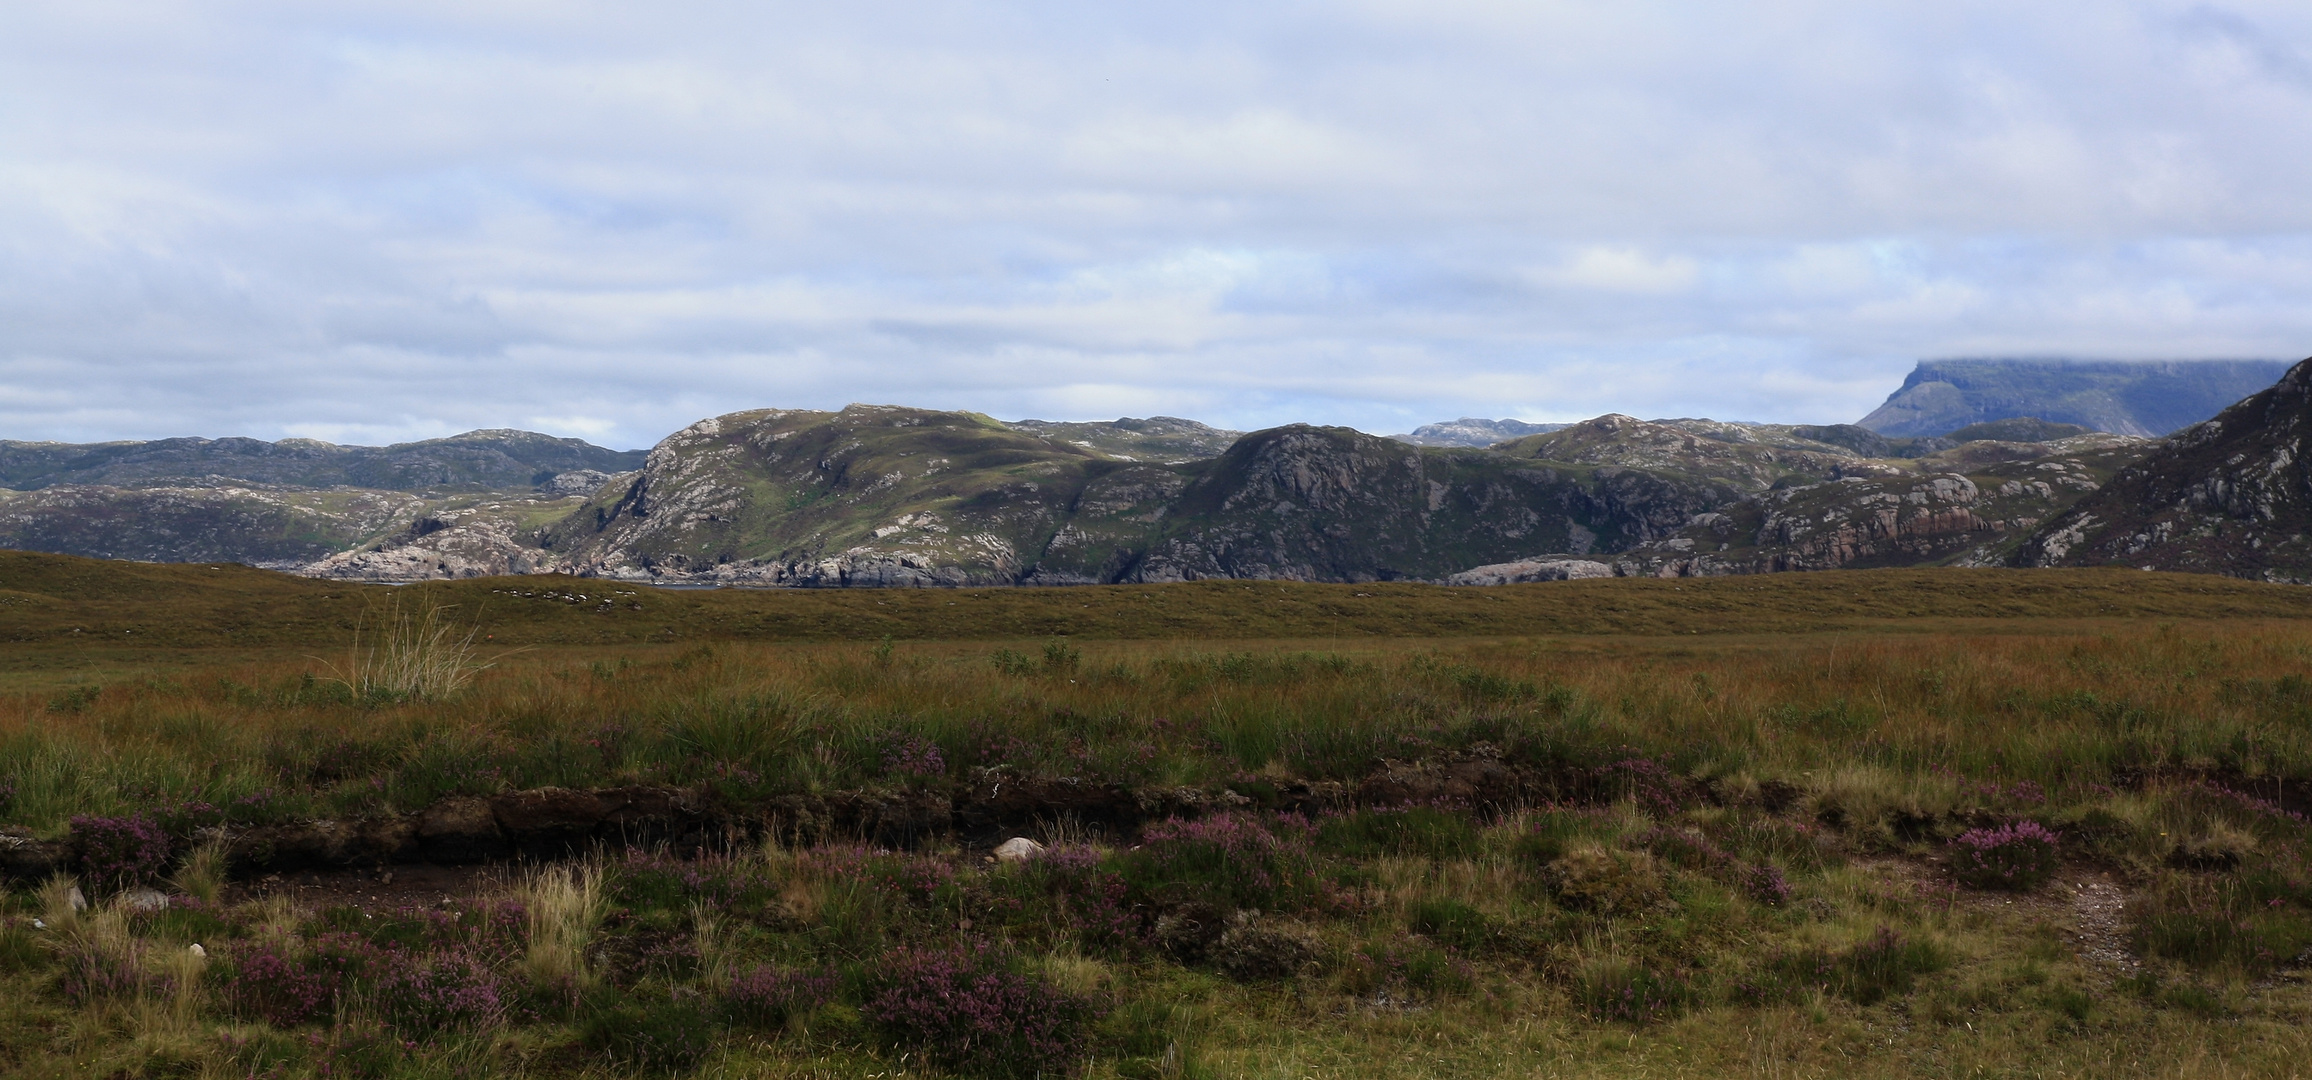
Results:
x,y
1874,823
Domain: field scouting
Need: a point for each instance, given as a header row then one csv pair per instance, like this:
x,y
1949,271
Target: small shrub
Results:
x,y
1604,880
117,852
768,997
1230,859
1885,964
1764,883
1451,922
1012,662
1633,993
265,981
1250,952
2016,856
975,1010
659,1035
912,755
100,959
1408,969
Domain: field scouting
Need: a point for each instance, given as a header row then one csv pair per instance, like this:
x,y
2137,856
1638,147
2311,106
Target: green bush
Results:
x,y
655,1035
1450,922
1886,964
1417,831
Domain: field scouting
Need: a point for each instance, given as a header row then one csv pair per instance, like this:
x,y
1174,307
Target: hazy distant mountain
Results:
x,y
2125,397
1471,431
491,460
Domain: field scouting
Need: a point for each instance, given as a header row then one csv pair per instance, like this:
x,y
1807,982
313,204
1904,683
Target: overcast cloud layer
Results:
x,y
374,222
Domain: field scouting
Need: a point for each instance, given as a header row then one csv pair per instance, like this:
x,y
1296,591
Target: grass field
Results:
x,y
1903,823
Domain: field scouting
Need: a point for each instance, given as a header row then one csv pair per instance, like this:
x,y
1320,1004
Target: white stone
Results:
x,y
1018,849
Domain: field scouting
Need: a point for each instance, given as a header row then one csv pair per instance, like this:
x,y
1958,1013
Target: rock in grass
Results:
x,y
144,901
1018,849
1250,952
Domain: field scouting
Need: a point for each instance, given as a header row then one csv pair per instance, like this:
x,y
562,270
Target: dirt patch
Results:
x,y
399,888
2087,906
2098,922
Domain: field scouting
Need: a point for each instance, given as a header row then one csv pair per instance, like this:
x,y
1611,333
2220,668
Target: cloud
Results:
x,y
397,220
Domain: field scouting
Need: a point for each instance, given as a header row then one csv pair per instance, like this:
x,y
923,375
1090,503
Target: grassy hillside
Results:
x,y
61,600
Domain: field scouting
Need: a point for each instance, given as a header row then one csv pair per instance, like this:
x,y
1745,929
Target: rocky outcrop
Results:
x,y
1965,518
2229,496
1524,570
466,539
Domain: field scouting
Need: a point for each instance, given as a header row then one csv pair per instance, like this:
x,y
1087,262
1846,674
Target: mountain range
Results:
x,y
895,496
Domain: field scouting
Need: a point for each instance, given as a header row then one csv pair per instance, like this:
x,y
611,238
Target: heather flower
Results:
x,y
451,988
912,755
1226,858
265,981
2020,855
769,996
972,1010
121,851
1765,884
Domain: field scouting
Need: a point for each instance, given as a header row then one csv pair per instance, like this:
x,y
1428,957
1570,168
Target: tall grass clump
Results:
x,y
561,909
418,655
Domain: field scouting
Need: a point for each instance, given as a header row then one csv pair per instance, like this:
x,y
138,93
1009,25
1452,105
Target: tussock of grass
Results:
x,y
562,908
410,655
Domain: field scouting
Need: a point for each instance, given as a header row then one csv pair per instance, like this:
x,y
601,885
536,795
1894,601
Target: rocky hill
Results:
x,y
2122,397
876,495
882,495
2229,496
493,460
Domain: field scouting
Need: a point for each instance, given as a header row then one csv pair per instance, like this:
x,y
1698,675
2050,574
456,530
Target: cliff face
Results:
x,y
2229,496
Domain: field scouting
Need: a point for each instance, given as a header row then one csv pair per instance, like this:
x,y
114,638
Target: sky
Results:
x,y
372,222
